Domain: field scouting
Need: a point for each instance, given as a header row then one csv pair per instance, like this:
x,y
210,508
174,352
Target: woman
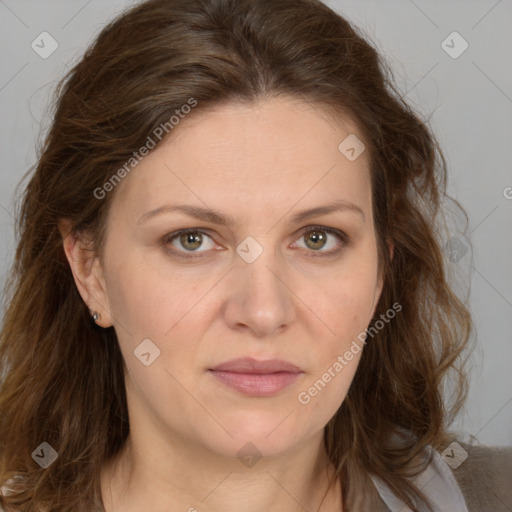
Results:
x,y
229,292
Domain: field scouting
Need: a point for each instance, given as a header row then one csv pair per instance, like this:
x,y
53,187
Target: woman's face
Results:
x,y
263,275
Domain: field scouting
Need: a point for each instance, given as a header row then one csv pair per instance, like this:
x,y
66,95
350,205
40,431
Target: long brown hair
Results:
x,y
63,377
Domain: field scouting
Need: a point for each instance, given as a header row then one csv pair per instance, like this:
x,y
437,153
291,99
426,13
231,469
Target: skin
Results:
x,y
260,164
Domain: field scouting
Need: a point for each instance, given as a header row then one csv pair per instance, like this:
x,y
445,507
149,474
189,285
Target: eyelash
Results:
x,y
315,254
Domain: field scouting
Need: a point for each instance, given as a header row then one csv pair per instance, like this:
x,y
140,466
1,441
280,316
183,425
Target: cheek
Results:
x,y
337,358
347,300
323,393
165,310
145,303
345,305
147,307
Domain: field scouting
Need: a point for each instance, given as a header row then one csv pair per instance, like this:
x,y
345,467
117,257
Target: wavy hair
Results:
x,y
63,377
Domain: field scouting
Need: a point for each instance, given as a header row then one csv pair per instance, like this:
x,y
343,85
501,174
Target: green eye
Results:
x,y
324,241
189,240
315,239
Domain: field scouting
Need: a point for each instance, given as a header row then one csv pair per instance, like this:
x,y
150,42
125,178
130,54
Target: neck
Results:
x,y
146,476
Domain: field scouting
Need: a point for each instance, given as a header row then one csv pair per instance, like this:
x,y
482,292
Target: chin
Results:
x,y
257,434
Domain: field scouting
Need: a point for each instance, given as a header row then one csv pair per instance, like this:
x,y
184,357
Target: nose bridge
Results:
x,y
259,298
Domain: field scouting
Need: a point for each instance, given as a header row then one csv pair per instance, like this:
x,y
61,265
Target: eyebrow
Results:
x,y
207,214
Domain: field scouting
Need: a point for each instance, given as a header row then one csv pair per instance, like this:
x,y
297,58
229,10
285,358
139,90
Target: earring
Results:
x,y
96,316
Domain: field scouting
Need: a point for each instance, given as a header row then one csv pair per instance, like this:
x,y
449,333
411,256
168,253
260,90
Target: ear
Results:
x,y
87,271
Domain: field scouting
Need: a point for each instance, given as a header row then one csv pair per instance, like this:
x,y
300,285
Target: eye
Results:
x,y
326,241
189,243
191,240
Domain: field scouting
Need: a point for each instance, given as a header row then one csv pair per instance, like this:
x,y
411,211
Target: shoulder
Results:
x,y
463,477
483,476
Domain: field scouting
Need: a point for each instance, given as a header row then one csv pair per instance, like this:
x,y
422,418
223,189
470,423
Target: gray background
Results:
x,y
468,100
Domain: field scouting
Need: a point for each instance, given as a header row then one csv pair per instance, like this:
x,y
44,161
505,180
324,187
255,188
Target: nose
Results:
x,y
260,299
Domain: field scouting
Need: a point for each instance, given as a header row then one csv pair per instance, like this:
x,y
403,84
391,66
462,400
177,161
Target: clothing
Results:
x,y
482,483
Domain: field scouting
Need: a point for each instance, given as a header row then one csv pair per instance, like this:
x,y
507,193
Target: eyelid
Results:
x,y
167,239
343,237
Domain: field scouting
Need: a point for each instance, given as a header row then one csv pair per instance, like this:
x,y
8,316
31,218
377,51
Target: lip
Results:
x,y
257,378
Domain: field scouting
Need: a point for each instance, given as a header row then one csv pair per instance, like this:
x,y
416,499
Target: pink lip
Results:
x,y
257,378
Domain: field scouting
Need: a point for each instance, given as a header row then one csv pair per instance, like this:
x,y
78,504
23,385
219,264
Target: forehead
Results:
x,y
277,126
272,152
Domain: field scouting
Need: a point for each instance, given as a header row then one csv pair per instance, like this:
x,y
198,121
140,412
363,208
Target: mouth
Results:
x,y
257,378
